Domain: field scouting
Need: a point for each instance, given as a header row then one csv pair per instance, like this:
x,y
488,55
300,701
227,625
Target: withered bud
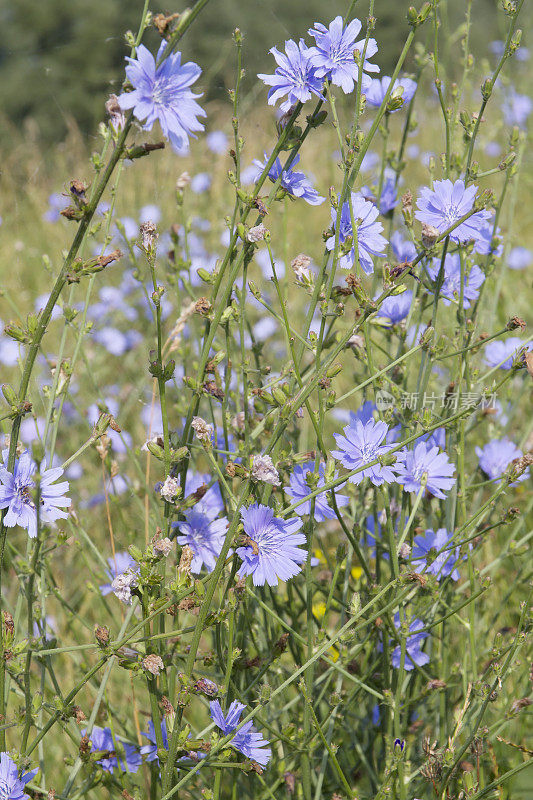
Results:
x,y
435,684
211,388
407,201
184,567
202,306
281,644
231,470
101,633
9,625
519,466
153,663
167,707
518,705
430,234
77,190
78,714
238,420
163,23
514,323
290,781
84,747
183,181
163,546
356,342
116,115
148,231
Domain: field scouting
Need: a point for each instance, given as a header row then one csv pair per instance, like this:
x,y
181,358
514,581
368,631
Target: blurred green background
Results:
x,y
60,58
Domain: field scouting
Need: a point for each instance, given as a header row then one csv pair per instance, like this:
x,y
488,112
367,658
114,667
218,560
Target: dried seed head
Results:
x,y
183,181
148,231
170,489
300,266
202,429
184,567
163,546
153,664
264,471
256,234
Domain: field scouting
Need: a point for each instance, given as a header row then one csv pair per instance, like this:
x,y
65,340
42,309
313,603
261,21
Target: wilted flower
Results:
x,y
162,93
263,470
170,489
257,233
300,266
272,553
247,740
122,585
153,663
204,431
333,55
118,564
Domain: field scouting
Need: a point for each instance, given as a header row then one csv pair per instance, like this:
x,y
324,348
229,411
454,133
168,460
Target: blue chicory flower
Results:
x,y
443,564
377,89
162,93
414,654
247,740
150,750
16,494
332,55
502,353
361,444
12,782
394,308
296,184
403,249
299,489
495,457
445,204
425,460
519,258
205,537
295,76
451,284
273,552
370,242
